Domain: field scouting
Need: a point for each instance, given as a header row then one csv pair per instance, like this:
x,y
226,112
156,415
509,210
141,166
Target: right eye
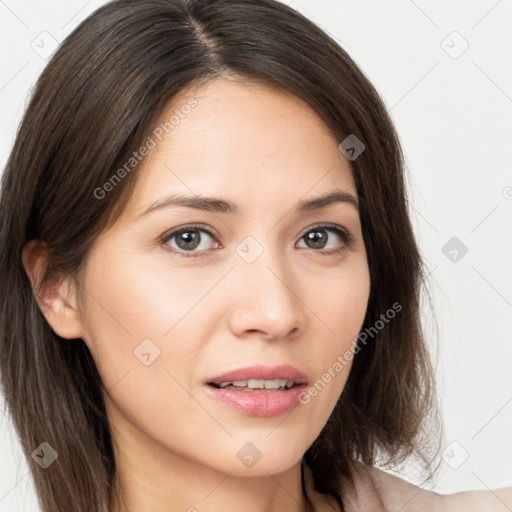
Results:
x,y
189,239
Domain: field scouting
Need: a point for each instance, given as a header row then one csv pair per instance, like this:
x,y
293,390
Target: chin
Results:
x,y
261,454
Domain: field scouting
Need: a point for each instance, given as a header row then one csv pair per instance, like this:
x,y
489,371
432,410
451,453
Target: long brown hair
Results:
x,y
95,103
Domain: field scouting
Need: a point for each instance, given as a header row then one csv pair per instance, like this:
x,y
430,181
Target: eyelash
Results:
x,y
341,232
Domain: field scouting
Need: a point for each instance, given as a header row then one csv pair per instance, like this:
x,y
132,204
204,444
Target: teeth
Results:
x,y
259,384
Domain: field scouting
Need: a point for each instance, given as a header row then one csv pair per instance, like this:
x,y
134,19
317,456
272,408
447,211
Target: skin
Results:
x,y
176,447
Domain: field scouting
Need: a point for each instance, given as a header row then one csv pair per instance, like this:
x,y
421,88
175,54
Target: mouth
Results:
x,y
259,390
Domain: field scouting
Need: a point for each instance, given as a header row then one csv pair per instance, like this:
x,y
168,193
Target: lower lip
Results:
x,y
259,403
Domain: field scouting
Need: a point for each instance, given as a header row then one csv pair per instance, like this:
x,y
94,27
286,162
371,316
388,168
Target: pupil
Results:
x,y
317,238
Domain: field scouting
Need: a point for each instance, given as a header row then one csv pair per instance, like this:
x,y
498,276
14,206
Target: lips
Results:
x,y
259,390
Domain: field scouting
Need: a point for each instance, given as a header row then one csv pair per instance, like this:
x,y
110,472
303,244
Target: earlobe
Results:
x,y
57,297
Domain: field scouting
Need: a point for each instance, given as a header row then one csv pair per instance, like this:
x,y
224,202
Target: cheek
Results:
x,y
340,303
146,319
341,309
145,330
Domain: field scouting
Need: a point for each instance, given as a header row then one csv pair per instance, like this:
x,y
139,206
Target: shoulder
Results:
x,y
379,491
492,500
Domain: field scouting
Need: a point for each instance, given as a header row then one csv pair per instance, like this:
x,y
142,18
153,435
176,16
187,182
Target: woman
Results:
x,y
211,281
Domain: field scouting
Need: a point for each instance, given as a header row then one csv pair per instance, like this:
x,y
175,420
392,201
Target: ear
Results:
x,y
57,298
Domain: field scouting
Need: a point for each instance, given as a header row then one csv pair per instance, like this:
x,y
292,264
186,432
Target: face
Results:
x,y
257,281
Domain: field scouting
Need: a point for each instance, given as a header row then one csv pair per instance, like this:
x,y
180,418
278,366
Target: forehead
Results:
x,y
240,140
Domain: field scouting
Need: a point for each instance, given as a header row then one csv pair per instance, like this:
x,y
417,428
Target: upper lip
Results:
x,y
261,372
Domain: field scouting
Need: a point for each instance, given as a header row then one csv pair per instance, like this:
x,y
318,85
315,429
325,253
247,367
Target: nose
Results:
x,y
265,298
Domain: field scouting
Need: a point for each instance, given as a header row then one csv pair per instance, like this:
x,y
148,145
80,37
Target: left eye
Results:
x,y
317,238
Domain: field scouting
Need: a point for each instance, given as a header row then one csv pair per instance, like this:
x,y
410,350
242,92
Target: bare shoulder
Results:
x,y
495,500
380,491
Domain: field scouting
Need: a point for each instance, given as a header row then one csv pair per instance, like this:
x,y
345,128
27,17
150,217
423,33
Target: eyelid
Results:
x,y
174,231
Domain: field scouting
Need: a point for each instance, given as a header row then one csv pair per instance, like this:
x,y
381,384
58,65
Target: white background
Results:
x,y
454,117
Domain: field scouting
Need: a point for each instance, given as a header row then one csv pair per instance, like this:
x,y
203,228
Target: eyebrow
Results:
x,y
217,205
